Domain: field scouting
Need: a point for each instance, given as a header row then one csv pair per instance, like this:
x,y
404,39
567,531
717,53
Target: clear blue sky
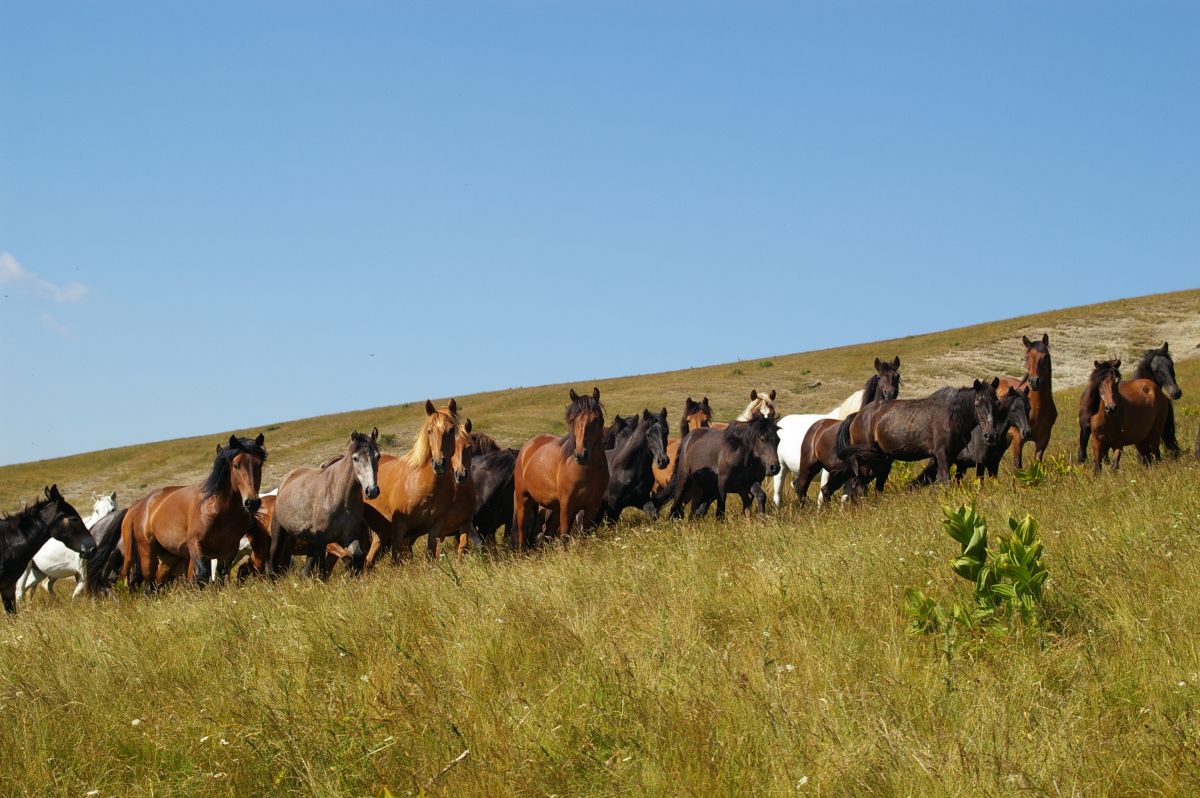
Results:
x,y
215,215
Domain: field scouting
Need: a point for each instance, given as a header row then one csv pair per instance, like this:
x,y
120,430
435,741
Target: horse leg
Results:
x,y
1085,431
148,559
29,579
80,585
777,484
1116,458
10,599
881,477
760,498
1099,450
199,567
1018,446
804,477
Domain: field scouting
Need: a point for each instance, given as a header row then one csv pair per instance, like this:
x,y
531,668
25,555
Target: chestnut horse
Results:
x,y
1132,412
696,415
1042,412
325,505
567,475
1156,365
177,526
417,490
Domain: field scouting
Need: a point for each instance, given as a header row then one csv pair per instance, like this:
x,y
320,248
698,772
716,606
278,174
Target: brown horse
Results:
x,y
1042,412
1132,412
415,491
696,415
827,446
567,475
179,526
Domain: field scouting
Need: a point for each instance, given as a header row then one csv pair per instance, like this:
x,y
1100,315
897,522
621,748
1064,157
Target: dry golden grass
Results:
x,y
743,658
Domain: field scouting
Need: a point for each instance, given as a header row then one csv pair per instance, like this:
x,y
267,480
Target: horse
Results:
x,y
182,525
416,490
716,462
826,447
696,415
1042,412
1132,412
24,532
631,466
567,474
1014,410
760,405
55,560
482,443
325,505
938,425
492,476
884,384
256,546
1156,365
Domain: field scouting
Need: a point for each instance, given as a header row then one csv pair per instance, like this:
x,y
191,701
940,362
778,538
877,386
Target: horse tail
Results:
x,y
842,441
1168,433
674,485
106,560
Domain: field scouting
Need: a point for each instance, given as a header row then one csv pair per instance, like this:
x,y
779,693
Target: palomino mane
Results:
x,y
218,479
438,422
762,401
578,407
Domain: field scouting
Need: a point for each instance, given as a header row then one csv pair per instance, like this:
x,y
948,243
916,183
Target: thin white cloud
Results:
x,y
12,273
60,328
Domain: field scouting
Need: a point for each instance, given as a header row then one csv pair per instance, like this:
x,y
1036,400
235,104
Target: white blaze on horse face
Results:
x,y
364,470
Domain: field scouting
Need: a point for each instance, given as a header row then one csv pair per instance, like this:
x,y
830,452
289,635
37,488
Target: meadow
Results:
x,y
750,657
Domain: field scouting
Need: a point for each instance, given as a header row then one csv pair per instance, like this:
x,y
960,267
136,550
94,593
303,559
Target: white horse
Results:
x,y
55,561
884,384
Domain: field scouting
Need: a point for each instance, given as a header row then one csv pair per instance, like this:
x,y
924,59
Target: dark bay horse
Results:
x,y
696,415
631,466
1156,365
1042,412
1131,412
567,474
492,476
716,462
617,429
325,505
938,425
416,491
24,532
181,525
1014,414
827,446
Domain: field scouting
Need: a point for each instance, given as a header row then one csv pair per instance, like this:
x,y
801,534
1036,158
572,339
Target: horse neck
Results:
x,y
32,534
341,477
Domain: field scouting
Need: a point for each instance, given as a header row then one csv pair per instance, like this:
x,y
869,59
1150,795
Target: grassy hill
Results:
x,y
743,658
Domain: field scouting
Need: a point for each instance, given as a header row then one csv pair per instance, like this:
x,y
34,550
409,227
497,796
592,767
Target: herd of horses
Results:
x,y
458,483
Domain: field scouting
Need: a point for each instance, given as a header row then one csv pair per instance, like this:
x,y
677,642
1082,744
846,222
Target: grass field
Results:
x,y
744,658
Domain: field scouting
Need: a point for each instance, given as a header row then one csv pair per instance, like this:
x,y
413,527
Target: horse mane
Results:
x,y
331,461
761,400
1143,370
483,443
578,407
842,440
870,389
744,431
218,479
1091,393
438,422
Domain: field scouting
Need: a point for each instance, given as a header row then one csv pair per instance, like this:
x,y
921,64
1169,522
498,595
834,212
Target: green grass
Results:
x,y
744,658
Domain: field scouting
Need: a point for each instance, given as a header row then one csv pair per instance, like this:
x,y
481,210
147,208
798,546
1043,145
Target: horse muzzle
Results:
x,y
252,505
991,438
663,462
439,466
581,457
1110,409
773,469
460,476
1176,392
87,550
372,492
1035,383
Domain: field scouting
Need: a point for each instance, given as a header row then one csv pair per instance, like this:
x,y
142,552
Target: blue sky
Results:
x,y
214,215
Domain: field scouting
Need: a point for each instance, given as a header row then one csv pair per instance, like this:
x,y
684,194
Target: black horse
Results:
x,y
104,566
492,477
712,463
977,454
1157,365
938,425
631,465
619,427
24,532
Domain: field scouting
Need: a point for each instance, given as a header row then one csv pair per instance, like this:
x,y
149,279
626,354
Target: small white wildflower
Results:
x,y
790,667
364,678
341,653
135,722
204,739
90,793
224,741
1181,684
499,620
802,782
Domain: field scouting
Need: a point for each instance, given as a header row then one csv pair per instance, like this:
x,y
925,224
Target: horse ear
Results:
x,y
896,362
453,407
47,491
467,426
1164,347
429,408
1025,390
664,414
1046,338
233,440
878,363
978,385
596,393
354,435
1025,340
1096,364
771,395
645,414
995,383
704,401
113,495
261,439
375,434
219,448
1117,363
574,395
753,394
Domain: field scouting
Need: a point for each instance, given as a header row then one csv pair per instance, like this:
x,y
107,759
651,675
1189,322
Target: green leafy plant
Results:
x,y
1034,476
1007,582
765,364
735,372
